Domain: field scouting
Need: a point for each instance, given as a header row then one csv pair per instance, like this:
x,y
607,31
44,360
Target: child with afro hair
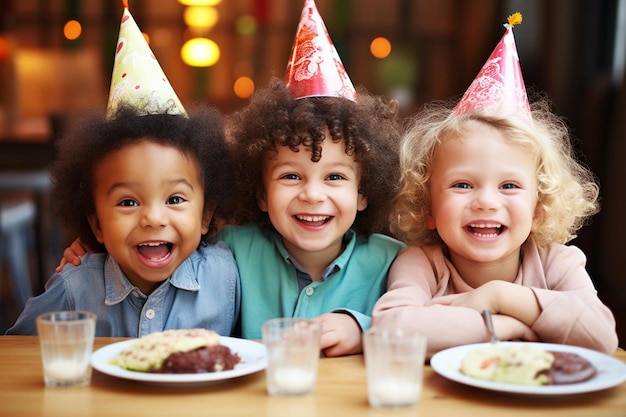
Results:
x,y
145,191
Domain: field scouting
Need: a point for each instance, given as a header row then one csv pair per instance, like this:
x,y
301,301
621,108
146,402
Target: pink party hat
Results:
x,y
499,86
138,80
314,68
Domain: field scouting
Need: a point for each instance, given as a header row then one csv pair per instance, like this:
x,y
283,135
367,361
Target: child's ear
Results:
x,y
431,223
361,202
207,216
537,218
94,223
261,200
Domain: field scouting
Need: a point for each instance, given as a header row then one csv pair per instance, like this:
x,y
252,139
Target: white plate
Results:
x,y
610,371
252,354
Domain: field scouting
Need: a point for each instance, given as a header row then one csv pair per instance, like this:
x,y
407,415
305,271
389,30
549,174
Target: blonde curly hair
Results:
x,y
567,192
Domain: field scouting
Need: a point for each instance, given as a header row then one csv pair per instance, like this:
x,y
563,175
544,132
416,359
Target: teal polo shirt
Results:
x,y
269,280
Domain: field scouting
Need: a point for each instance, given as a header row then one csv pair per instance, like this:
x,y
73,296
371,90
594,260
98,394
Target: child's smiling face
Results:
x,y
312,204
150,215
483,196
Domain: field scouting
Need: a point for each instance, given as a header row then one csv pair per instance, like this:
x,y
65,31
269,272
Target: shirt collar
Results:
x,y
118,287
349,238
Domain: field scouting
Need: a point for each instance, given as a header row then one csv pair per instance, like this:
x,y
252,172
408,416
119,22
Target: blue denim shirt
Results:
x,y
204,291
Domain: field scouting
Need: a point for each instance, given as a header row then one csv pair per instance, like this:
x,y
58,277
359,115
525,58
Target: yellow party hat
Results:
x,y
138,81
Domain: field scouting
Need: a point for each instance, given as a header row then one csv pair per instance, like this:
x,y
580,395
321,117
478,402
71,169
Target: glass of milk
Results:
x,y
66,341
293,351
394,358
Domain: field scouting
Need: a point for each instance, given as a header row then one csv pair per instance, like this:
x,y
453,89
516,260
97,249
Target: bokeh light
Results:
x,y
199,2
5,48
200,52
380,47
246,25
72,30
200,16
243,87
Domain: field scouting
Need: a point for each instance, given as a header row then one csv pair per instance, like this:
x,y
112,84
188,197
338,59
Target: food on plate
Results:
x,y
569,368
520,364
177,351
526,364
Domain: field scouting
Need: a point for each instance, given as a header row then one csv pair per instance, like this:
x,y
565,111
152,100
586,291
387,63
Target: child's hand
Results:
x,y
72,254
509,328
341,334
500,297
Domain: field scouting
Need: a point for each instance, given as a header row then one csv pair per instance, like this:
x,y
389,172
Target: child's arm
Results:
x,y
421,274
509,328
572,313
341,334
499,297
556,299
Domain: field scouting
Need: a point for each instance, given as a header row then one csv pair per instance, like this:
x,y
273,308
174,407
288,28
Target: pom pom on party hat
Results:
x,y
314,68
499,86
138,81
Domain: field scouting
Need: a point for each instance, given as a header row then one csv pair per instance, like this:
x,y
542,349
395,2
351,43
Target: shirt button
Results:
x,y
309,291
150,313
135,294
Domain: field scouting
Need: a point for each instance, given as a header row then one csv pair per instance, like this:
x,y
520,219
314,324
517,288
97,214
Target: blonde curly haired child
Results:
x,y
488,204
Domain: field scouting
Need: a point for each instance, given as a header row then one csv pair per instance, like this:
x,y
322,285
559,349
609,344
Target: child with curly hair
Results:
x,y
490,194
488,203
316,176
144,186
144,190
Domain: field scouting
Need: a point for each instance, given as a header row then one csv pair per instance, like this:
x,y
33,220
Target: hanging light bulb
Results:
x,y
200,52
200,17
199,2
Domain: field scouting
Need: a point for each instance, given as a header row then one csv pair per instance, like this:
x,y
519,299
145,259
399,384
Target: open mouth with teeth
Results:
x,y
155,251
313,220
488,230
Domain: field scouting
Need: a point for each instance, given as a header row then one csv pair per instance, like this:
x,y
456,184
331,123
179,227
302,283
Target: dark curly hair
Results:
x,y
200,136
273,118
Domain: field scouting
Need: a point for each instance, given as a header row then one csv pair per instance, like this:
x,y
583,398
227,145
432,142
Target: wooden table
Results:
x,y
341,392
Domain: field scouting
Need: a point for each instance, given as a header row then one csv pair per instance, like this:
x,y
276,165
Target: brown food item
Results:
x,y
177,351
204,359
569,368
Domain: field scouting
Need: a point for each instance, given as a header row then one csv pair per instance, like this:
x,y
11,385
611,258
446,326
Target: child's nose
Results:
x,y
486,199
153,216
312,192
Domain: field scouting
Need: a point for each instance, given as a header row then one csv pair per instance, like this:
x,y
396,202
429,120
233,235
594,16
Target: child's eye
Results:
x,y
509,186
290,177
175,200
463,185
335,177
128,203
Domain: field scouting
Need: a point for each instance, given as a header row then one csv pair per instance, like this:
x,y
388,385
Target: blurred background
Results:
x,y
56,59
